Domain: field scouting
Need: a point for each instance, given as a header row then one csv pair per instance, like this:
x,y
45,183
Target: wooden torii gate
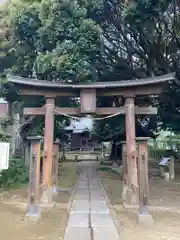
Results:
x,y
88,93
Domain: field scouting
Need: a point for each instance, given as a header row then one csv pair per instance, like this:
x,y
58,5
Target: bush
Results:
x,y
15,176
158,153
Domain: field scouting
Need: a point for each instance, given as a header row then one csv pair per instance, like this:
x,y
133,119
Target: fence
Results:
x,y
81,154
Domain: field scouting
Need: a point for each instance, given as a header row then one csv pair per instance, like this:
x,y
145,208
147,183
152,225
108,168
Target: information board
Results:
x,y
4,155
164,161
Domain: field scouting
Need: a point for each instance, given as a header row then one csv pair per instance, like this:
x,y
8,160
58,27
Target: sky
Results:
x,y
3,1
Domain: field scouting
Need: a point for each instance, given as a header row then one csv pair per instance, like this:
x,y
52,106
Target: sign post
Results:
x,y
167,171
4,156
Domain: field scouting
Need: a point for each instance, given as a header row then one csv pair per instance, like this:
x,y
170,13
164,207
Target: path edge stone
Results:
x,y
112,212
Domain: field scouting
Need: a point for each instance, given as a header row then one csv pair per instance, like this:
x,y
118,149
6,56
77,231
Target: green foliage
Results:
x,y
169,107
52,40
89,40
151,10
15,176
55,40
109,129
157,153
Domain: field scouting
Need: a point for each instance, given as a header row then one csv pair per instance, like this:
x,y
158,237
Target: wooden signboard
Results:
x,y
88,100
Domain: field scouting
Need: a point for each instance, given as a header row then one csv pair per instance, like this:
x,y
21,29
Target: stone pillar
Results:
x,y
132,191
34,178
144,216
56,150
124,162
48,150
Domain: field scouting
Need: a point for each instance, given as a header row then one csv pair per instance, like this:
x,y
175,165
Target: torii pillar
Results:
x,y
132,183
48,150
55,167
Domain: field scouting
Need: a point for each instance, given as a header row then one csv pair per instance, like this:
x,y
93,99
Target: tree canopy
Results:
x,y
55,40
90,40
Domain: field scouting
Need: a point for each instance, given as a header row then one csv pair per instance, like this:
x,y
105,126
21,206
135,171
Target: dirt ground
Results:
x,y
13,207
164,207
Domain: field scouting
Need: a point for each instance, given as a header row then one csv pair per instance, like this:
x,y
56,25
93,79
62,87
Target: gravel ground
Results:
x,y
13,207
165,209
14,226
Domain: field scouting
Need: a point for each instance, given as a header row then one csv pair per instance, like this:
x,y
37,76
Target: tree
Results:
x,y
52,40
145,36
55,40
6,50
97,39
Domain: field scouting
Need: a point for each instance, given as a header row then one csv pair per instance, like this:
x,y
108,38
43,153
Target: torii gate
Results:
x,y
88,92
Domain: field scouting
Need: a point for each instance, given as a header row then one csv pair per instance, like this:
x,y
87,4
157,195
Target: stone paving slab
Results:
x,y
99,207
96,192
104,221
82,182
96,186
94,182
79,233
80,206
78,220
82,191
82,185
82,197
99,234
83,179
98,197
89,211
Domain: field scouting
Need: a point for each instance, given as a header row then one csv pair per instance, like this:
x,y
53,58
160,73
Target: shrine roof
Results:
x,y
30,82
85,124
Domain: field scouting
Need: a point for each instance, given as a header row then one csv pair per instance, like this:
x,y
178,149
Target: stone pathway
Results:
x,y
90,218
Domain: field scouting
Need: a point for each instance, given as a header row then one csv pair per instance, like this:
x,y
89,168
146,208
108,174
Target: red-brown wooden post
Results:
x,y
34,177
48,149
56,150
144,214
132,191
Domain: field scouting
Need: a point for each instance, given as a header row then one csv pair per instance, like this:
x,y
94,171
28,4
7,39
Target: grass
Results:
x,y
18,186
68,174
107,169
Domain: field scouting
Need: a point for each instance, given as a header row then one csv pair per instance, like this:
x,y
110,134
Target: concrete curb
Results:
x,y
72,193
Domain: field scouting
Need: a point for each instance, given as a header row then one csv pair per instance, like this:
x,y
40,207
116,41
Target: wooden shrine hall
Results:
x,y
135,178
